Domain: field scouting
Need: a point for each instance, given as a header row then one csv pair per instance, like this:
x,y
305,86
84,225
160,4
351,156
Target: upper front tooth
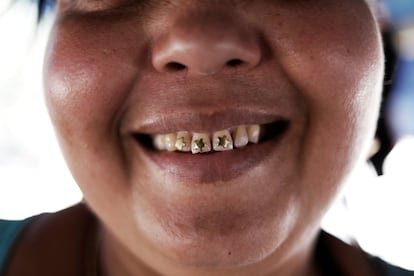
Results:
x,y
222,140
253,132
240,137
183,141
200,143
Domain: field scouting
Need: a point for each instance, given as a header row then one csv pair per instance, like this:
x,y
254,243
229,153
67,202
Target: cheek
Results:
x,y
87,82
333,56
338,71
88,77
342,88
77,97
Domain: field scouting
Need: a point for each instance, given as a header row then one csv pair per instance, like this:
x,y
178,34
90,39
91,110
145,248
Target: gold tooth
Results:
x,y
222,140
200,143
183,141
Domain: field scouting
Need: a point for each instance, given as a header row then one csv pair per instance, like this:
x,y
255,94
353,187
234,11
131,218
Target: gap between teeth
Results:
x,y
197,142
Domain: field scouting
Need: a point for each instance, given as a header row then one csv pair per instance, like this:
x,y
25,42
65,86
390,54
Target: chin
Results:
x,y
219,238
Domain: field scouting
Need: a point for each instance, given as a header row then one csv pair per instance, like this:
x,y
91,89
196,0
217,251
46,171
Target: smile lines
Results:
x,y
198,142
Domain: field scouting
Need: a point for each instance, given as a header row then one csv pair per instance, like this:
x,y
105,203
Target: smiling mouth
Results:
x,y
233,138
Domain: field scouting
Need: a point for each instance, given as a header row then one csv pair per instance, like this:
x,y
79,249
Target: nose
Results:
x,y
206,44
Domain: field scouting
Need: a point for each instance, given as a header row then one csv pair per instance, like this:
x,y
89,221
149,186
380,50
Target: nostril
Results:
x,y
175,66
234,62
199,48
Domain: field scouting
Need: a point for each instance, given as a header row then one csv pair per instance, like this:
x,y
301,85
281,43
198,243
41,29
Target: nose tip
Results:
x,y
206,48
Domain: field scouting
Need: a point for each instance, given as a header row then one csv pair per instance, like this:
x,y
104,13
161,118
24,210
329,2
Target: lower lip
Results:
x,y
215,167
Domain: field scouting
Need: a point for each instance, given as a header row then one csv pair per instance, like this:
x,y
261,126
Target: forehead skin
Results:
x,y
321,64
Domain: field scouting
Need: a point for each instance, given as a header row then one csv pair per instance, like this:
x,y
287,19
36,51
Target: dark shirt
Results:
x,y
10,231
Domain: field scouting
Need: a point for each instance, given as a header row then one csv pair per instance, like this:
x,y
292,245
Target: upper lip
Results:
x,y
157,110
202,121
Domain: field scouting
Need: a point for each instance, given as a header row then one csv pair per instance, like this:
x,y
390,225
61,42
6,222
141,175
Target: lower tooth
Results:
x,y
200,143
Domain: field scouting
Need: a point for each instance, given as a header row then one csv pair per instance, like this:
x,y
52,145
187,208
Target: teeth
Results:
x,y
253,132
240,137
222,140
200,143
183,141
170,140
159,142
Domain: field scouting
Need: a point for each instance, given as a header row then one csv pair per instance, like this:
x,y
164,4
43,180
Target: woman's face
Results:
x,y
119,72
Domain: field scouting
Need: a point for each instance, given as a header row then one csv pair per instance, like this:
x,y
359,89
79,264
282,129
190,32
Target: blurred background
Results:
x,y
376,208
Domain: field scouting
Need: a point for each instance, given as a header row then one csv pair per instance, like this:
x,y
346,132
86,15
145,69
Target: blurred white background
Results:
x,y
376,211
33,177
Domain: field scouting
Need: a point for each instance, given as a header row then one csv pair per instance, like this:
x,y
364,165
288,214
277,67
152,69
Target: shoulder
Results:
x,y
9,233
352,260
51,244
391,270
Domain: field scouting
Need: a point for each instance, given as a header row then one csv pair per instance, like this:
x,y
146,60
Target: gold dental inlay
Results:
x,y
199,145
223,141
180,143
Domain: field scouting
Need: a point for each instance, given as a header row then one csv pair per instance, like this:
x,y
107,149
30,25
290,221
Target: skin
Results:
x,y
320,62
